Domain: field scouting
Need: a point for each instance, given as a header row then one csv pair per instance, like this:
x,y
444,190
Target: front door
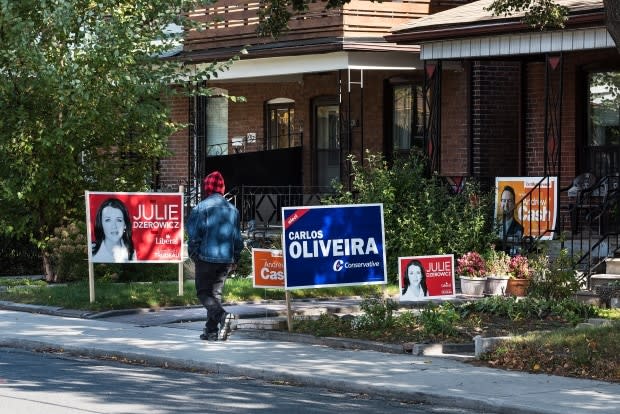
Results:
x,y
327,141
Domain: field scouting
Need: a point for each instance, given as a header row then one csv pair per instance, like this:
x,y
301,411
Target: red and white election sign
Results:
x,y
134,227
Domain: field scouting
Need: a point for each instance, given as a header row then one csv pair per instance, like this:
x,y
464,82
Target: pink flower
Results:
x,y
471,264
519,267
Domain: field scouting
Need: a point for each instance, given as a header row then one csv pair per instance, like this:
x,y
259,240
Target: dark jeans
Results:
x,y
210,278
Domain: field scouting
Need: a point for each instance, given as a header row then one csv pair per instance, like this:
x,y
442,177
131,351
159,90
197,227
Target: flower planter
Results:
x,y
472,286
517,287
496,285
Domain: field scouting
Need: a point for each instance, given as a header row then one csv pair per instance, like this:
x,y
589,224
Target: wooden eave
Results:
x,y
491,27
295,48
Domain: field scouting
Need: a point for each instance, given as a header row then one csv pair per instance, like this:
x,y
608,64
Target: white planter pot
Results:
x,y
496,285
472,286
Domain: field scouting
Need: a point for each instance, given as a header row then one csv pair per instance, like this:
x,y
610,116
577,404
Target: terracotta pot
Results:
x,y
517,287
472,286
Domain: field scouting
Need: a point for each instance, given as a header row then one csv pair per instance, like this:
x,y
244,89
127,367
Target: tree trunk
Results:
x,y
612,10
47,268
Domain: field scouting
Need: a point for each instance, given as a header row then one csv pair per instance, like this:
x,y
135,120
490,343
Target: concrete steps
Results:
x,y
598,280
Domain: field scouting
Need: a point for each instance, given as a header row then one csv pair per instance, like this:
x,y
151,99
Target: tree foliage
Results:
x,y
83,90
274,17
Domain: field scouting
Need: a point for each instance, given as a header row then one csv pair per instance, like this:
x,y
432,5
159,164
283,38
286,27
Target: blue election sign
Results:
x,y
333,246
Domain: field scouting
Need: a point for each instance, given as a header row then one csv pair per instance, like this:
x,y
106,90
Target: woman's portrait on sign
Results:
x,y
113,240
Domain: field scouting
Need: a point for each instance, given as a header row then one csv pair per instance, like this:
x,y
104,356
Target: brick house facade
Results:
x,y
336,58
522,103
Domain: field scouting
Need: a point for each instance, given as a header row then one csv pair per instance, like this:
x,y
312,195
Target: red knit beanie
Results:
x,y
213,183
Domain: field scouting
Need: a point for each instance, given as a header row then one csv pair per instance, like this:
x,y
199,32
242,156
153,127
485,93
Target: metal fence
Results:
x,y
19,258
261,206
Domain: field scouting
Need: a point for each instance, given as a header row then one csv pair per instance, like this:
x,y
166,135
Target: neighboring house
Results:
x,y
514,101
329,87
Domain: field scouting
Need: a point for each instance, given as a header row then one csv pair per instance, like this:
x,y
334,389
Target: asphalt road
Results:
x,y
51,384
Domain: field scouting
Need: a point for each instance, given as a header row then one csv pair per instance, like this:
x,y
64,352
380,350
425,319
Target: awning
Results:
x,y
518,44
297,65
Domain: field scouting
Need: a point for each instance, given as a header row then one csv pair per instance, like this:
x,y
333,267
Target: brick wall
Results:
x,y
174,169
455,123
495,118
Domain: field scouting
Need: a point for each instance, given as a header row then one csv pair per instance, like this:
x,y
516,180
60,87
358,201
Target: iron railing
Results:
x,y
260,207
594,225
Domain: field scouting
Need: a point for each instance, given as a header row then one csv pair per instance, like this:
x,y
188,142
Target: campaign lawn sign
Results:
x,y
151,222
267,268
336,245
535,201
426,277
156,221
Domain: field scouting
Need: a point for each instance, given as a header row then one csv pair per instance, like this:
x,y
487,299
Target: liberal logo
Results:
x,y
338,265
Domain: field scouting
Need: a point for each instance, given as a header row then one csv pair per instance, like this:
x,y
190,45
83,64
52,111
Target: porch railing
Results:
x,y
260,207
234,23
594,232
251,143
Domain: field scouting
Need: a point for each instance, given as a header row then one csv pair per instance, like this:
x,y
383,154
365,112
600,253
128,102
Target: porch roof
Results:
x,y
294,66
470,31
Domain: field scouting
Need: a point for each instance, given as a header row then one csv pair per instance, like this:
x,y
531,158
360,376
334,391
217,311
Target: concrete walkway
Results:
x,y
175,344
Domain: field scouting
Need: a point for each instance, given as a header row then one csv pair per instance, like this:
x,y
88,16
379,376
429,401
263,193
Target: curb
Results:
x,y
428,397
274,330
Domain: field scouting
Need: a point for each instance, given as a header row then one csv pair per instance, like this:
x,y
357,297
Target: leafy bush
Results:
x,y
244,267
421,215
554,278
439,320
68,254
529,308
378,314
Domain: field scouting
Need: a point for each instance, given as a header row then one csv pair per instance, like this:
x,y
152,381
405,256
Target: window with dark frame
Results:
x,y
407,117
280,130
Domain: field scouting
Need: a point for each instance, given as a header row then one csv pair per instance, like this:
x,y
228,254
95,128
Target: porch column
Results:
x,y
553,114
432,113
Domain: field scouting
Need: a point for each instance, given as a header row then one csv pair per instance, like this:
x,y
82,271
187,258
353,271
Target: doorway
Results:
x,y
327,151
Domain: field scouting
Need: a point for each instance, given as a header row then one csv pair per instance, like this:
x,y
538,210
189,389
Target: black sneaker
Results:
x,y
209,336
225,326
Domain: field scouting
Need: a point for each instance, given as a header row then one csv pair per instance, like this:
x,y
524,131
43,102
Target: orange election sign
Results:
x,y
268,268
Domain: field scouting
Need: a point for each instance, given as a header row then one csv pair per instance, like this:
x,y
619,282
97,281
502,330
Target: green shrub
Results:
x,y
244,267
554,278
378,314
421,215
528,308
68,254
439,320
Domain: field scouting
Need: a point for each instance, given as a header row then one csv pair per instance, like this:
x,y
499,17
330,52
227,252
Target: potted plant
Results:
x,y
471,269
520,275
498,268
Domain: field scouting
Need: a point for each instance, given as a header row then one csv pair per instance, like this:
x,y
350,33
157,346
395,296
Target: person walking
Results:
x,y
215,246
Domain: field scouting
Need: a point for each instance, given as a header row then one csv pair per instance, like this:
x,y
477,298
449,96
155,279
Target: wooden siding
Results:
x,y
519,44
233,24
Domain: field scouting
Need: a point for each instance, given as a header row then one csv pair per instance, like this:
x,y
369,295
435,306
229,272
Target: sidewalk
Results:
x,y
176,345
